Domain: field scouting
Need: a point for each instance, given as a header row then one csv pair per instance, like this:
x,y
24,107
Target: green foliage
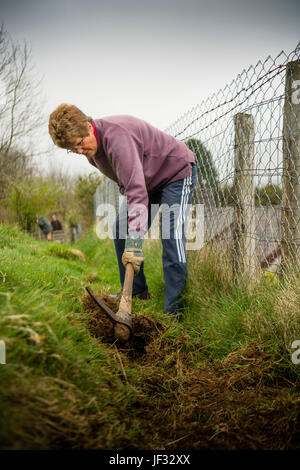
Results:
x,y
71,200
84,190
226,195
85,186
11,236
207,172
92,246
30,197
269,195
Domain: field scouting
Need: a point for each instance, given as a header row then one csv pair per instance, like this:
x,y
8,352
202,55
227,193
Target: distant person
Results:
x,y
45,226
56,225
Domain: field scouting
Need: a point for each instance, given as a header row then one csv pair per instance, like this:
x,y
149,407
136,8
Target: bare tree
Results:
x,y
20,107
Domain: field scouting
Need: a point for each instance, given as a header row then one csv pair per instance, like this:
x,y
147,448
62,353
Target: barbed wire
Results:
x,y
223,104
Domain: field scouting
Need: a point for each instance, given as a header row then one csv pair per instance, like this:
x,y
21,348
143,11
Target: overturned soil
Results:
x,y
236,403
144,329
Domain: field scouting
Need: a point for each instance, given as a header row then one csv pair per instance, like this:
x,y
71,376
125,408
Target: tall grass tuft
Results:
x,y
228,317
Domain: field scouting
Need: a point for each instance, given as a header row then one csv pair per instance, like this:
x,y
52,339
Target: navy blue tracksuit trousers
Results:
x,y
174,256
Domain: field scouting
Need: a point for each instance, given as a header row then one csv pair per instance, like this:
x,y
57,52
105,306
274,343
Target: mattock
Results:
x,y
122,319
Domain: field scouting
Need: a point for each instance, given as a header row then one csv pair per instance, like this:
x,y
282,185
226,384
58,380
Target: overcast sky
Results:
x,y
154,59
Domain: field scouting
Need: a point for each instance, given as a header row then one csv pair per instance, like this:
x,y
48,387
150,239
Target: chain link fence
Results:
x,y
106,193
246,141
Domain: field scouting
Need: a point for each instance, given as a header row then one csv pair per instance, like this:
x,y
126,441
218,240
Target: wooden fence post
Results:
x,y
290,216
244,214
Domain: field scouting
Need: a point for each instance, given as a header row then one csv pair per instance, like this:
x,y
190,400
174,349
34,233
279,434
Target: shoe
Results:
x,y
142,295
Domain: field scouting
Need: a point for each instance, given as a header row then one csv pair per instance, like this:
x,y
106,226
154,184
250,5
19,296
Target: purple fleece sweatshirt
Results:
x,y
141,159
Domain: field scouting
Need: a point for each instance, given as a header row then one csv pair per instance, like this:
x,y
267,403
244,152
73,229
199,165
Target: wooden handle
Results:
x,y
126,299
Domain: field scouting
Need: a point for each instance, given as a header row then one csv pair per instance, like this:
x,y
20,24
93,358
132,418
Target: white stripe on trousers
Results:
x,y
186,189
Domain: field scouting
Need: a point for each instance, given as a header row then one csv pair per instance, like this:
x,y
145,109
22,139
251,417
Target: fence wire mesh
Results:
x,y
106,193
244,195
246,140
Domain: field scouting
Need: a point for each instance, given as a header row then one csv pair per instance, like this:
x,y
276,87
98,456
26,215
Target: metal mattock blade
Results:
x,y
110,314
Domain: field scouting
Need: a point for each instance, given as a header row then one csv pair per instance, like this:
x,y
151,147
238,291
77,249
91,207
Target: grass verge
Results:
x,y
223,378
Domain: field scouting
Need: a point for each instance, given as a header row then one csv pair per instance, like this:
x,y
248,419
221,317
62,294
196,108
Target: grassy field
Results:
x,y
222,378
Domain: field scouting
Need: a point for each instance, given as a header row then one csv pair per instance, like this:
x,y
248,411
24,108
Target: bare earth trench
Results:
x,y
229,404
